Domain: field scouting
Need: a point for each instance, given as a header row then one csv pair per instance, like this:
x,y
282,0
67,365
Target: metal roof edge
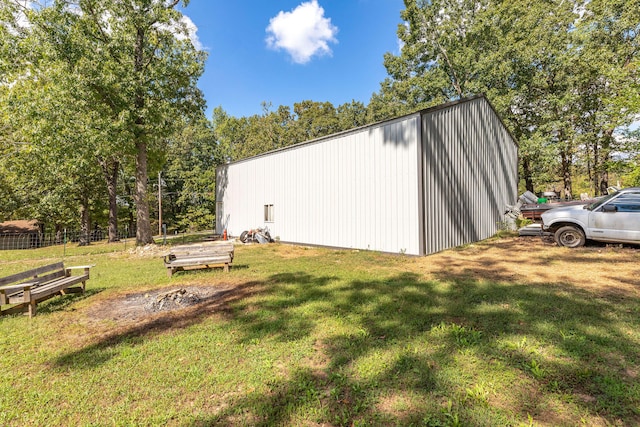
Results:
x,y
513,138
450,104
322,138
420,113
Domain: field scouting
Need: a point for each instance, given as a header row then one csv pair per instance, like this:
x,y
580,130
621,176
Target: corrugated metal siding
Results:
x,y
418,184
354,190
470,174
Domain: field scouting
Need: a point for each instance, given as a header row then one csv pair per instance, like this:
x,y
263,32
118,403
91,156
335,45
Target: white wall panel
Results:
x,y
418,184
355,190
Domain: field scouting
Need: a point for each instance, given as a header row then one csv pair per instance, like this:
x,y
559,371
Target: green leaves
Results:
x,y
96,83
244,137
563,75
190,179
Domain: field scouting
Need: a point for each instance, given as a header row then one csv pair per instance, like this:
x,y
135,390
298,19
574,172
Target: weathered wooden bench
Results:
x,y
23,291
202,255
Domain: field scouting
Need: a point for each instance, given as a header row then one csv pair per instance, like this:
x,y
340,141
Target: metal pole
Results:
x,y
159,204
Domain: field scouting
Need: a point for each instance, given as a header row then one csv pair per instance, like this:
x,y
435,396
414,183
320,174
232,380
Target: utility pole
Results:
x,y
159,204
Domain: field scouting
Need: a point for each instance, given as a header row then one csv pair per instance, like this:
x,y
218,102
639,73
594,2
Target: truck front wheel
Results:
x,y
570,236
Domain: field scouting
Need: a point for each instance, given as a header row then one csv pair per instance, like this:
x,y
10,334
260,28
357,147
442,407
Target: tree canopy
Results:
x,y
244,137
563,75
131,70
99,96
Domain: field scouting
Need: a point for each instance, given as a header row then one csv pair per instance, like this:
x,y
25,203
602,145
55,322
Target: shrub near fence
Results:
x,y
10,241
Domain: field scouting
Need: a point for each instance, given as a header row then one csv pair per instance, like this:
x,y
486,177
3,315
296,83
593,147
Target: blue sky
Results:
x,y
289,51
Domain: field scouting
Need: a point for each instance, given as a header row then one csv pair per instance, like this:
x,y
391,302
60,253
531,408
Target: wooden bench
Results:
x,y
25,290
203,255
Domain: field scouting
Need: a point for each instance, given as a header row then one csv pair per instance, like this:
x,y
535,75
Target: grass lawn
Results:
x,y
506,332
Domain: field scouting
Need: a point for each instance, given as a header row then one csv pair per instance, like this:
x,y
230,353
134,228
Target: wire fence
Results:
x,y
31,240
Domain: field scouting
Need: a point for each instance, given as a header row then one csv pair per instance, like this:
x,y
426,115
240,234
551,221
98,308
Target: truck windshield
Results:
x,y
599,202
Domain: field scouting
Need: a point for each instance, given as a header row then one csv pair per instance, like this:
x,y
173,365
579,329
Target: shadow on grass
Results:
x,y
558,340
428,326
61,302
292,290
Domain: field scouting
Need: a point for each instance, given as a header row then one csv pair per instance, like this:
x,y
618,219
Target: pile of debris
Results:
x,y
172,300
531,207
146,251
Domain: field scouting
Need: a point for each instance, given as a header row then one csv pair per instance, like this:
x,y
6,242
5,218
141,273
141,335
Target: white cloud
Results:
x,y
20,22
302,33
192,31
185,29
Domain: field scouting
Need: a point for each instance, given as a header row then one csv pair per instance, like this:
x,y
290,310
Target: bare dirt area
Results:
x,y
596,267
135,306
157,311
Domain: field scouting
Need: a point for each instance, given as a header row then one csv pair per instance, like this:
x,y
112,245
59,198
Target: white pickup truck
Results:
x,y
613,218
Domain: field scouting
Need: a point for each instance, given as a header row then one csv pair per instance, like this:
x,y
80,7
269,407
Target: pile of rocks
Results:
x,y
171,300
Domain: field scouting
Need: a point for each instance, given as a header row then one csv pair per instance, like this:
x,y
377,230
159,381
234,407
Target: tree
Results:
x,y
190,176
229,132
514,53
48,164
608,35
243,137
55,175
534,61
389,102
313,120
239,138
351,115
136,65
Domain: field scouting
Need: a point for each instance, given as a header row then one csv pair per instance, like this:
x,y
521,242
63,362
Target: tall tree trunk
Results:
x,y
566,161
113,205
566,174
596,168
526,171
604,182
58,234
131,225
590,168
605,154
143,224
85,226
110,170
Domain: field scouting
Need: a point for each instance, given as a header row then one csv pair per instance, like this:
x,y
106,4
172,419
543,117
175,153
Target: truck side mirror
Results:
x,y
609,208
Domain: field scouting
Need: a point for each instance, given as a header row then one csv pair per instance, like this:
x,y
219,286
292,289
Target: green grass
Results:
x,y
321,337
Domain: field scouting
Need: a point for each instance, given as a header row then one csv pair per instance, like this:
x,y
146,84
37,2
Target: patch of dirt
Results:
x,y
296,251
397,403
140,305
147,251
608,270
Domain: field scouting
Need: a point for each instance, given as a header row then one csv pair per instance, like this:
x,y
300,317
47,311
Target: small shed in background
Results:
x,y
418,184
19,234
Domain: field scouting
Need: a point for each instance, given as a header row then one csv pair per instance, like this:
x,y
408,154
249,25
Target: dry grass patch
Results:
x,y
530,260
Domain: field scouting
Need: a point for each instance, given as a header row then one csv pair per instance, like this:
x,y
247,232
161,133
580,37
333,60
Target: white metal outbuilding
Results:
x,y
418,184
